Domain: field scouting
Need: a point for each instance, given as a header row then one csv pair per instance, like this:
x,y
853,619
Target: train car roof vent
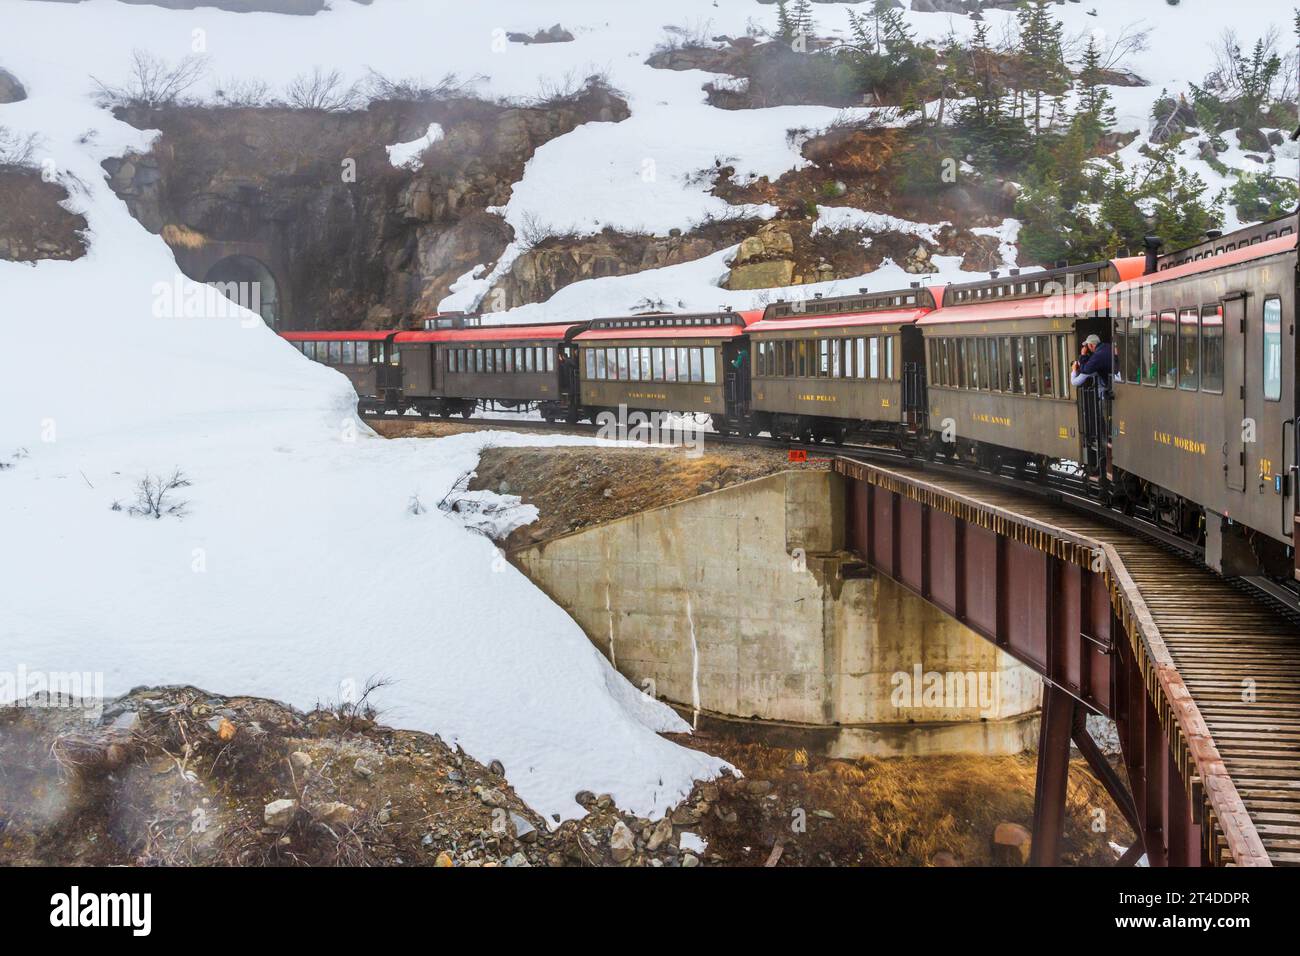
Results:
x,y
916,285
993,274
1152,245
1213,233
1013,272
817,295
862,290
1061,263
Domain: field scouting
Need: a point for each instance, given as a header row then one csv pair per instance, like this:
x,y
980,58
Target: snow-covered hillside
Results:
x,y
300,566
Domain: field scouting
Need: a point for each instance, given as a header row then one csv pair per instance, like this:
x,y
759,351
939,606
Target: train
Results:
x,y
1195,430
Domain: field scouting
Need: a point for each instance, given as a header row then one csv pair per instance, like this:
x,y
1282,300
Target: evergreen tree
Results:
x,y
1041,66
785,29
1095,115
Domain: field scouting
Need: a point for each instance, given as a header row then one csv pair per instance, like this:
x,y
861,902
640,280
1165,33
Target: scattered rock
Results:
x,y
444,859
299,760
525,832
622,843
661,833
334,812
279,813
944,858
363,769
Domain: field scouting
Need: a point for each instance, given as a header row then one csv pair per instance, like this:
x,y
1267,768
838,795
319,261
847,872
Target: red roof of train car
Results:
x,y
1009,310
1266,247
747,318
334,335
491,333
848,320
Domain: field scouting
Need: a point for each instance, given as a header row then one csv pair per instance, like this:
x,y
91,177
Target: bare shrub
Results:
x,y
569,87
155,497
698,35
16,150
151,82
322,91
250,92
415,89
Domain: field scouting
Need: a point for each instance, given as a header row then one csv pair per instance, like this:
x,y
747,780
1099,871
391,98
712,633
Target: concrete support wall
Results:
x,y
735,604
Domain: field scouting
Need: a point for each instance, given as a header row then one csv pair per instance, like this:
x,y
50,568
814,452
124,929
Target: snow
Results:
x,y
302,569
692,843
407,155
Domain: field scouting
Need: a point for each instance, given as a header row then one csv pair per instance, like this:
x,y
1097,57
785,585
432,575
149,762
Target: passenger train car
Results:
x,y
667,362
368,359
830,368
1197,431
1204,422
453,365
998,362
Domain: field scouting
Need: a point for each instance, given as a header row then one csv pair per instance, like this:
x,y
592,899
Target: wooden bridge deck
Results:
x,y
1238,658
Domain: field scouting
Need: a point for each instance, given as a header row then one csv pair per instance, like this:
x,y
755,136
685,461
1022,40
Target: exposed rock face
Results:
x,y
11,91
558,261
554,34
349,238
32,223
765,260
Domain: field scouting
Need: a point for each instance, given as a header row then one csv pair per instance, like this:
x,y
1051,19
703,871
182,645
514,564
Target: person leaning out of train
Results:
x,y
1094,362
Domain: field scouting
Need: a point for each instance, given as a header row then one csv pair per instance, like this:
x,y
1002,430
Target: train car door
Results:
x,y
1234,397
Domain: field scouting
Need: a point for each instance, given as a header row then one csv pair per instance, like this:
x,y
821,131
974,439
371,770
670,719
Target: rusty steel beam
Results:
x,y
1052,779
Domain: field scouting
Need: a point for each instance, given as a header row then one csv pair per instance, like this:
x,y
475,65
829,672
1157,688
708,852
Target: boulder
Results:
x,y
11,91
1011,844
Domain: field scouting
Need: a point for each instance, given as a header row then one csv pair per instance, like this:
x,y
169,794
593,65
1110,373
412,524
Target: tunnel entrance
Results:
x,y
250,283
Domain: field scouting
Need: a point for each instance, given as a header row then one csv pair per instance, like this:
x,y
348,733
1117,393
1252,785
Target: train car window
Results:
x,y
710,366
550,358
1046,380
837,351
1168,346
823,357
1031,364
349,353
335,353
670,364
1017,365
1150,349
683,366
995,368
453,359
963,376
1212,348
589,363
1272,348
645,364
697,369
1189,350
1119,349
634,365
891,369
624,364
308,349
801,358
860,359
657,362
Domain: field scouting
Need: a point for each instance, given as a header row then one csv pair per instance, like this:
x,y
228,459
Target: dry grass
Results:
x,y
181,236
